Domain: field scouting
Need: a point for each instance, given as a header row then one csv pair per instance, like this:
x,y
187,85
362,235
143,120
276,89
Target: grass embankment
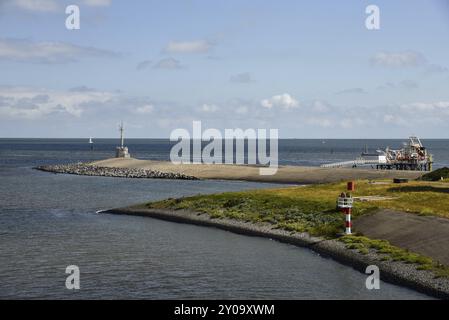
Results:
x,y
312,209
441,174
390,252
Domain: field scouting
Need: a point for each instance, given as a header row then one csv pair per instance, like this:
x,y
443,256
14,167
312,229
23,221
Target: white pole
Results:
x,y
121,135
348,220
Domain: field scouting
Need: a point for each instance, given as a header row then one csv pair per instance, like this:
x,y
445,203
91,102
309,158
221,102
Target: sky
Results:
x,y
310,69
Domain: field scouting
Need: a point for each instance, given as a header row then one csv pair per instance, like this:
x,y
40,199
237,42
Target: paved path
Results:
x,y
426,235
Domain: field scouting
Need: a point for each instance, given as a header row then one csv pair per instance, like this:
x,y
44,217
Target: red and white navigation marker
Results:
x,y
344,203
348,220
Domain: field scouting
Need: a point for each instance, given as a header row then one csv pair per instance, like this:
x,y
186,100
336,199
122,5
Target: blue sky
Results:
x,y
309,68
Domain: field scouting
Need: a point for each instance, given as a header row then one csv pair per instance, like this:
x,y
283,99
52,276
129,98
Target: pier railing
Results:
x,y
350,163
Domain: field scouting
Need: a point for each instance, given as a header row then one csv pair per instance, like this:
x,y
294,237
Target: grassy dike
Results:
x,y
313,208
307,216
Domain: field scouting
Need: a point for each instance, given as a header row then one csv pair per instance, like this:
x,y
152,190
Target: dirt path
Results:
x,y
426,235
285,174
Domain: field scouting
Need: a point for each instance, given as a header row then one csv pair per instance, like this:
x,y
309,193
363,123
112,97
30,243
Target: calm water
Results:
x,y
308,152
48,222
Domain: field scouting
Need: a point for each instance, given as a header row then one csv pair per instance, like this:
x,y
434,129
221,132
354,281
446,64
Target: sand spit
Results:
x,y
285,174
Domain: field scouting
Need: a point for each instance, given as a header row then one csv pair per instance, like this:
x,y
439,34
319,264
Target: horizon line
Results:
x,y
153,138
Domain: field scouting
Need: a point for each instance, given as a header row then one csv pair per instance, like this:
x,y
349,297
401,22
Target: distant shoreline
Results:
x,y
394,272
168,139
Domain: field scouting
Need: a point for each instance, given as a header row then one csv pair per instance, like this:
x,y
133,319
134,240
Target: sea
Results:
x,y
50,221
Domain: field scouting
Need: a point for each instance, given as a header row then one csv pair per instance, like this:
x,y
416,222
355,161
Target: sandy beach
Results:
x,y
285,174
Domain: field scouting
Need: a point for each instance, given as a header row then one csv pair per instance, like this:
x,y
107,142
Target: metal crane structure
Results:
x,y
412,156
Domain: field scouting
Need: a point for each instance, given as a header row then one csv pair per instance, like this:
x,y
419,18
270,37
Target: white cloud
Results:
x,y
52,5
321,122
82,89
415,114
349,123
168,63
146,109
98,3
352,91
320,106
398,59
284,101
245,77
209,108
401,120
441,106
37,5
241,110
436,69
198,46
404,84
143,65
20,50
33,103
83,107
389,118
408,84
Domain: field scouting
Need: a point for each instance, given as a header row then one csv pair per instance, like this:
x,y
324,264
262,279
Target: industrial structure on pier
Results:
x,y
412,156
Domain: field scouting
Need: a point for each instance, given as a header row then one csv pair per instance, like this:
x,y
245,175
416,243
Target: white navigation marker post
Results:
x,y
121,135
344,203
122,151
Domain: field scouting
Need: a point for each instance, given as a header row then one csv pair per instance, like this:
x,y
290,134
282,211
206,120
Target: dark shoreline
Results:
x,y
394,272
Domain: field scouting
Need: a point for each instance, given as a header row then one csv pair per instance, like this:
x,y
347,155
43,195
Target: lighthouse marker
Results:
x,y
344,203
348,220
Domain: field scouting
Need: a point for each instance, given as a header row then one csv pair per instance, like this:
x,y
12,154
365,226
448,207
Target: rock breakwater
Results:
x,y
92,170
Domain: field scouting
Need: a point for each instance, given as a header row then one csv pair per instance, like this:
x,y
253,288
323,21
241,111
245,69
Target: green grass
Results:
x,y
390,252
436,175
314,205
286,212
312,209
